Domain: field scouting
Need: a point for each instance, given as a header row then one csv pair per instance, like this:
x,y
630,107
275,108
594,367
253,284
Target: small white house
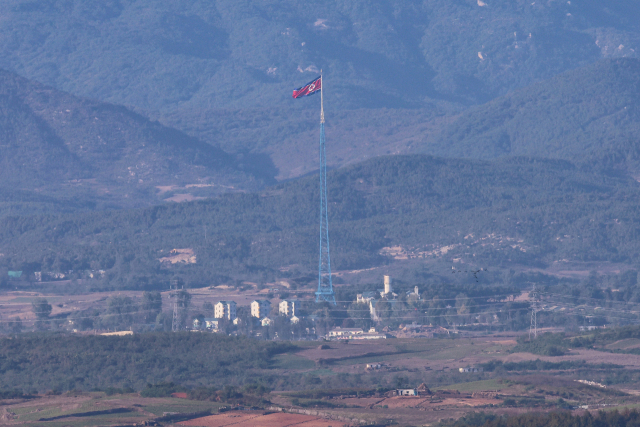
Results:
x,y
266,322
211,323
406,392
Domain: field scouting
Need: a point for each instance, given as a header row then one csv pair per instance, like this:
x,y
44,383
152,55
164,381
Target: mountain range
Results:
x,y
166,56
589,114
55,144
500,134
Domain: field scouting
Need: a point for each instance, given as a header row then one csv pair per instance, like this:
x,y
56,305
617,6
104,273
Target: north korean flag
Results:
x,y
308,89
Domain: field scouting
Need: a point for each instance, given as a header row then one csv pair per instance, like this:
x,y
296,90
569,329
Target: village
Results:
x,y
264,313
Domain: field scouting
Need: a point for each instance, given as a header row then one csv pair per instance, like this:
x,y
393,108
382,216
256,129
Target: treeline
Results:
x,y
541,365
38,363
547,344
601,337
564,419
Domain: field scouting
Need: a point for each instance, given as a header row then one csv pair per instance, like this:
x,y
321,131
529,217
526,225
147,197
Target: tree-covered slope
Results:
x,y
165,55
55,144
515,211
97,362
592,113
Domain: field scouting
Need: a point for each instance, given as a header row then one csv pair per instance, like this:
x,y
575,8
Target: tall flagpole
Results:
x,y
325,285
321,100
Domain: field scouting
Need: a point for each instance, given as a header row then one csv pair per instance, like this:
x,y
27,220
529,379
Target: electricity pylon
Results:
x,y
175,324
533,328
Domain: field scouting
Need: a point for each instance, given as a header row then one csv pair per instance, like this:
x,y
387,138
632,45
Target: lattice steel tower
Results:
x,y
325,286
533,328
175,324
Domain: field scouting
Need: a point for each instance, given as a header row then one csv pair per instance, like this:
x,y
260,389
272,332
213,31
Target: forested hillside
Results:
x,y
589,114
55,147
167,55
497,214
396,72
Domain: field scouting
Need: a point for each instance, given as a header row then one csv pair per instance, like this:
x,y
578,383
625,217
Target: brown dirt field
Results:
x,y
179,395
251,419
421,402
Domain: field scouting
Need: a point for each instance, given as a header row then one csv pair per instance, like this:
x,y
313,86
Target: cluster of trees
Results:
x,y
540,365
601,337
547,344
537,419
39,362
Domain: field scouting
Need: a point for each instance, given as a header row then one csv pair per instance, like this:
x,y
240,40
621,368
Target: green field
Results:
x,y
484,385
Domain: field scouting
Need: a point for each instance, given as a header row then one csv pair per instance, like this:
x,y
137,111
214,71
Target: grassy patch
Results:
x,y
181,405
493,384
624,344
292,361
321,372
324,393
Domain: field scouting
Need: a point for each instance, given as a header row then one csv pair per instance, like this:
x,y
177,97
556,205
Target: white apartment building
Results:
x,y
260,308
225,310
288,307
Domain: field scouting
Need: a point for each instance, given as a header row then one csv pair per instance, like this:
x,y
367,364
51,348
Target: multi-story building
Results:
x,y
225,310
260,308
289,307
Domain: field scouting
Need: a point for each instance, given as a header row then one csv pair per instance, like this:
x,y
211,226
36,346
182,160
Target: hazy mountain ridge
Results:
x,y
166,56
51,140
591,114
393,69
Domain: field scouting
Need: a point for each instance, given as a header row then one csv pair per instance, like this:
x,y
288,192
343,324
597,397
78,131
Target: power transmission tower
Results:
x,y
533,328
325,285
175,324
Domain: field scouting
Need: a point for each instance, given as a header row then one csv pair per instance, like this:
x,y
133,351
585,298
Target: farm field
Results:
x,y
257,418
329,383
92,409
